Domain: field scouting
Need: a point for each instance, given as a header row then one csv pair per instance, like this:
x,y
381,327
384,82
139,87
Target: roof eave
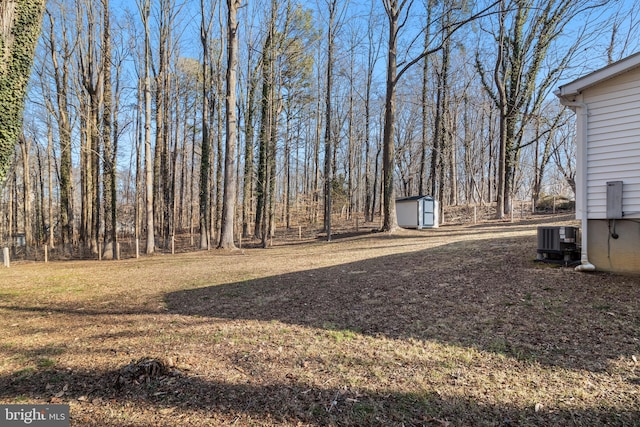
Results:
x,y
576,87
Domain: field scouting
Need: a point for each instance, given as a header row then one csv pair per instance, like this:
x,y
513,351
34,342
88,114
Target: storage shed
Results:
x,y
417,212
607,107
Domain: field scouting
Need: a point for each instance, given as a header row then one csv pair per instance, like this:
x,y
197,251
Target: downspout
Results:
x,y
585,265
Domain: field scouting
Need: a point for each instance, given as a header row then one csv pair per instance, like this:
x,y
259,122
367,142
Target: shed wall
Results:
x,y
407,213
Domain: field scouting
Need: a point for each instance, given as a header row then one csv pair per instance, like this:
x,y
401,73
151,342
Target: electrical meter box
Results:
x,y
614,200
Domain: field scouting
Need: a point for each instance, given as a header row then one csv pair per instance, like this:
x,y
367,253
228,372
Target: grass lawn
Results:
x,y
456,326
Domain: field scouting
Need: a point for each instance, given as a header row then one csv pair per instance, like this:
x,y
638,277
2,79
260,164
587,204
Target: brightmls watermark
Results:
x,y
34,415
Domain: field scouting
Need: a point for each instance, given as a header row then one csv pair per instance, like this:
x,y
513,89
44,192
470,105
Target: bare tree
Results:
x,y
144,7
336,16
398,13
252,73
424,101
205,165
524,33
625,26
295,71
62,53
394,9
25,148
374,42
229,197
109,153
90,99
564,155
268,132
328,142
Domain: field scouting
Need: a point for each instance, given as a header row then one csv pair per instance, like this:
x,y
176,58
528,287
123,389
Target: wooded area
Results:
x,y
227,119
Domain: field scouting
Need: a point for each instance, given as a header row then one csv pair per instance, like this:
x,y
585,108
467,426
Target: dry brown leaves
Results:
x,y
449,327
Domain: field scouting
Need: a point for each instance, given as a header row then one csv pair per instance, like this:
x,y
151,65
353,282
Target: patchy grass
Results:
x,y
455,326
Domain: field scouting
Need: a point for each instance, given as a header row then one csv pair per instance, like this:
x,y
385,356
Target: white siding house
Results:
x,y
607,107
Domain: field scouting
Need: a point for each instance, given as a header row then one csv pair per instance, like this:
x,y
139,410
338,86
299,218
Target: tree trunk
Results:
x,y
25,146
51,236
390,222
41,222
145,9
109,170
205,165
219,153
328,142
286,196
90,100
267,131
229,197
20,25
60,75
424,108
247,190
370,187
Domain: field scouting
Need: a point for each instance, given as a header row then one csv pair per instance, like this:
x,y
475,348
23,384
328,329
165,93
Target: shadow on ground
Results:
x,y
488,294
184,400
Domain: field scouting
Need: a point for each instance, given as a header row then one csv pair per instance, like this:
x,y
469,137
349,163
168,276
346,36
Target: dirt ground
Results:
x,y
456,326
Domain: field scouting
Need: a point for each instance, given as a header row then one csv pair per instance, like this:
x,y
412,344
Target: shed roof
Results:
x,y
612,70
408,199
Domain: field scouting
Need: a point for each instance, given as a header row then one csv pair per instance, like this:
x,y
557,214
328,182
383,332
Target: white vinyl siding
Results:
x,y
613,138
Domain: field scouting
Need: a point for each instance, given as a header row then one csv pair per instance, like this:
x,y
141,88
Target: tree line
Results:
x,y
225,119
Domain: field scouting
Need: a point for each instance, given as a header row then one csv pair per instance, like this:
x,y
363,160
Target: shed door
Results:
x,y
427,213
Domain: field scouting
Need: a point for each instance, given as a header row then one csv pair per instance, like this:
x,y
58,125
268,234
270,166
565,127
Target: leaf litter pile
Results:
x,y
455,326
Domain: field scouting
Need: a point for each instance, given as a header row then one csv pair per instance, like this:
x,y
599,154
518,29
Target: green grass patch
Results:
x,y
24,373
342,335
44,363
338,334
363,411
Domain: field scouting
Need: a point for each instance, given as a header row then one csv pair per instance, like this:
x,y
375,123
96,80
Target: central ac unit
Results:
x,y
558,242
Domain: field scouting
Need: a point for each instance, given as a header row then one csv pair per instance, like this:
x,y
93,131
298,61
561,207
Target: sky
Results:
x,y
598,28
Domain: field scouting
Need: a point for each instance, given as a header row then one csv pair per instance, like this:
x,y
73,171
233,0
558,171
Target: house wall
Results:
x,y
621,255
613,142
